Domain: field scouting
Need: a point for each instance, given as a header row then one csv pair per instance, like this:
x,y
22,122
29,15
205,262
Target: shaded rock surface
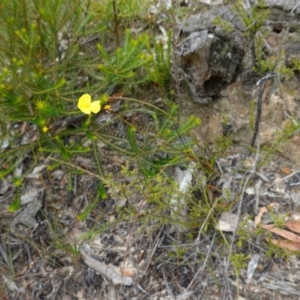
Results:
x,y
214,46
210,56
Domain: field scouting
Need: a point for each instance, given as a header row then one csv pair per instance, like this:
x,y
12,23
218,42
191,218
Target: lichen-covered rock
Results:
x,y
211,55
283,5
203,21
214,47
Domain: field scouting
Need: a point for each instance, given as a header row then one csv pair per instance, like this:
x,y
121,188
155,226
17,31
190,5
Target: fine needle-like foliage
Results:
x,y
93,140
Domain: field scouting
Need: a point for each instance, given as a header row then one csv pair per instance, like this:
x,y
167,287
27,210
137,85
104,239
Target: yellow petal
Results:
x,y
95,106
84,103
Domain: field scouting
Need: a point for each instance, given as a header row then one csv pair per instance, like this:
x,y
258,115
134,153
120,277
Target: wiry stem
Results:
x,y
116,21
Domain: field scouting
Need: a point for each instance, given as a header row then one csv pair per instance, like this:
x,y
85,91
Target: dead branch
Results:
x,y
105,270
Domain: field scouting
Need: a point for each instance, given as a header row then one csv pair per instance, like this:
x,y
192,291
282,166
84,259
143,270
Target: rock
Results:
x,y
214,47
211,55
291,5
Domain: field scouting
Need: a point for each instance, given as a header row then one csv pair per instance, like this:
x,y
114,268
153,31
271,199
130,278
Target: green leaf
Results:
x,y
131,131
15,205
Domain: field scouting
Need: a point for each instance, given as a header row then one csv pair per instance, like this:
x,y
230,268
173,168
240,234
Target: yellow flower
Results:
x,y
45,129
86,105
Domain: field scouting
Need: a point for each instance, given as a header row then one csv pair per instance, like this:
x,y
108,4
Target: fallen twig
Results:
x,y
106,270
